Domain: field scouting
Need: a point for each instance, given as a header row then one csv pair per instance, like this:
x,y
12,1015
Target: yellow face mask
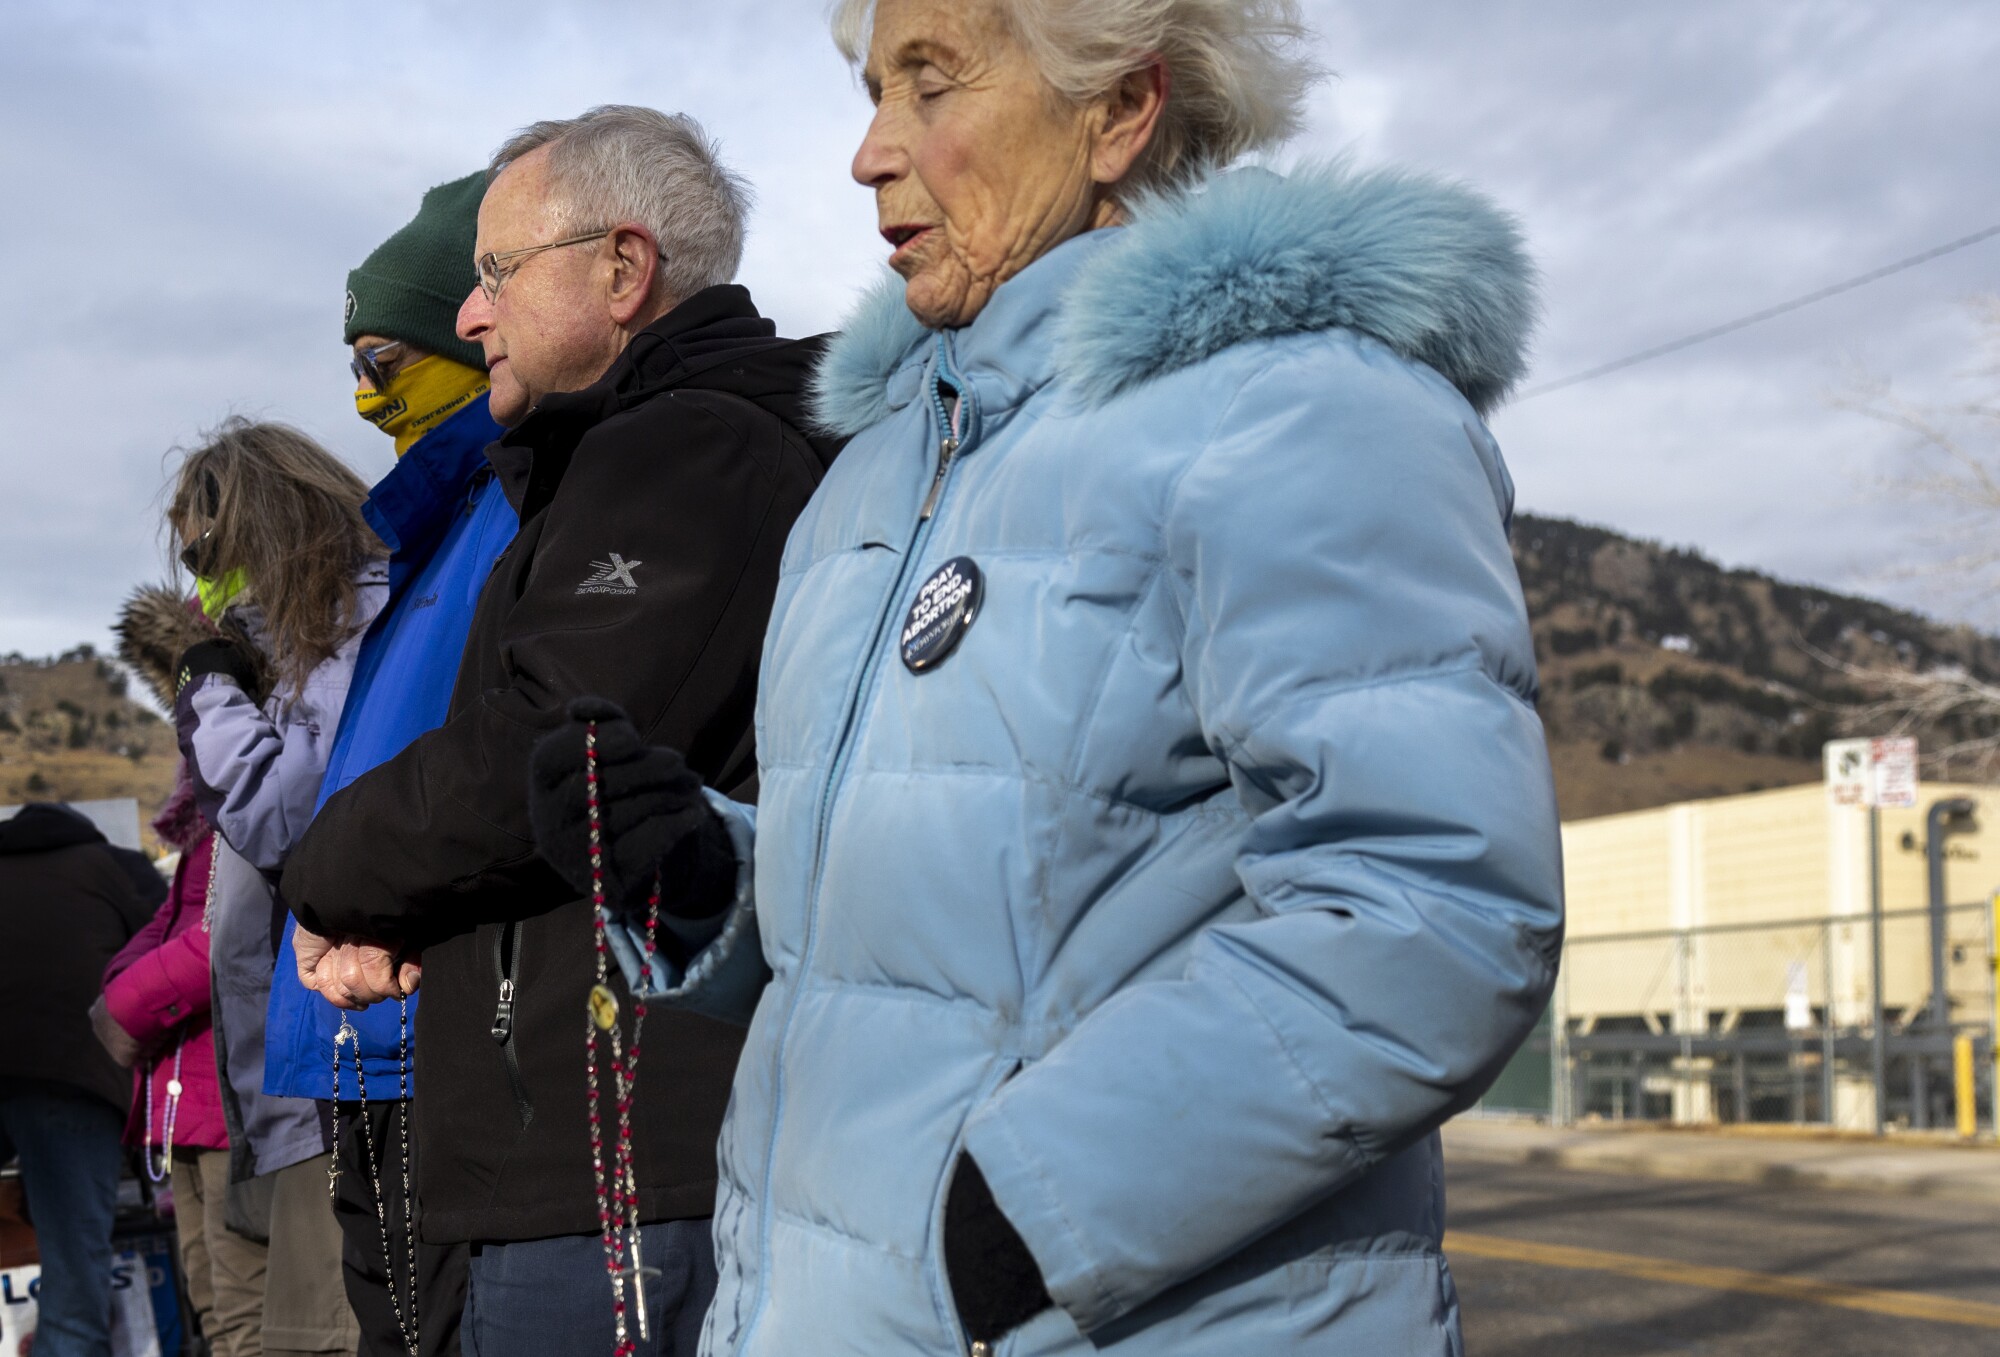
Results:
x,y
420,397
215,595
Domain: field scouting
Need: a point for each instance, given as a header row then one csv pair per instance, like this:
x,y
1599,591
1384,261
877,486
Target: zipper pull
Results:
x,y
982,1349
945,451
503,1016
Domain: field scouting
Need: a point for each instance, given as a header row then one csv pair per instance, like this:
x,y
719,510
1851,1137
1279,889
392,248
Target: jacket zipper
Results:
x,y
947,441
506,958
948,446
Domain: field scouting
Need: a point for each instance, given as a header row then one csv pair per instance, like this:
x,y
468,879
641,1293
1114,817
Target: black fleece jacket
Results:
x,y
654,509
68,902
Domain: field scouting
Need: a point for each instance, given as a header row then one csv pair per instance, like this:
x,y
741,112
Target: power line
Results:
x,y
1743,322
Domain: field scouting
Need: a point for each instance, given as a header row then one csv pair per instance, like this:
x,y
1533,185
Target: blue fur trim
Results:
x,y
877,335
1428,267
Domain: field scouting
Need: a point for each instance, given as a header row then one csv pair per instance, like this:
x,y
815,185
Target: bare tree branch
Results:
x,y
1952,460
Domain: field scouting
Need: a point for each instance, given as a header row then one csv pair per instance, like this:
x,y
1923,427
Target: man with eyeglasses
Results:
x,y
657,452
445,521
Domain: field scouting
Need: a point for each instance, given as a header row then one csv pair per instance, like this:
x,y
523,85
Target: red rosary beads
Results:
x,y
617,1183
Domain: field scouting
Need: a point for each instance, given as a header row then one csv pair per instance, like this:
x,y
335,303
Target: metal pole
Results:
x,y
1881,1042
1934,851
1562,1078
1828,1054
1683,1111
1944,819
1920,1091
1993,951
1966,1090
1798,1080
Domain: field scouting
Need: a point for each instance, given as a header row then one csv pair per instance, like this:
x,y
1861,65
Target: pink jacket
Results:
x,y
157,988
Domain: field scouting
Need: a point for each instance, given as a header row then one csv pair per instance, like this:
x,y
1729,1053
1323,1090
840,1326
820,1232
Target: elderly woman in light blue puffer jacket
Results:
x,y
1156,839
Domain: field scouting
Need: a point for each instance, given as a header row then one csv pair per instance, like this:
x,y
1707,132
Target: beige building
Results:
x,y
1750,911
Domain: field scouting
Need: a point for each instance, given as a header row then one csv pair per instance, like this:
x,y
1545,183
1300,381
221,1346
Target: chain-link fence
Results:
x,y
1770,1022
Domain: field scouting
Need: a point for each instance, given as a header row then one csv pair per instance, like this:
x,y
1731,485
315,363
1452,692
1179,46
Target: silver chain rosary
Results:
x,y
348,1036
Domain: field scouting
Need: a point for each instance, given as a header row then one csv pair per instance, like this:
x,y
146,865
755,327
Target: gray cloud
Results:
x,y
192,183
1678,165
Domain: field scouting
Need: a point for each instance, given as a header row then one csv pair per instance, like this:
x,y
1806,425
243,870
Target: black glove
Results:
x,y
995,1281
653,817
218,655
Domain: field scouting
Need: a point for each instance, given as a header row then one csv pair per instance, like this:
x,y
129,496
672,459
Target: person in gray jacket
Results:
x,y
270,525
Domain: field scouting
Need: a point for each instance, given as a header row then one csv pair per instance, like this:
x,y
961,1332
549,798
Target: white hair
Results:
x,y
1237,71
620,163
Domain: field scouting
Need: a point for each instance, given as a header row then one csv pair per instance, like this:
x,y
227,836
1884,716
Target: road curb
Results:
x,y
1713,1162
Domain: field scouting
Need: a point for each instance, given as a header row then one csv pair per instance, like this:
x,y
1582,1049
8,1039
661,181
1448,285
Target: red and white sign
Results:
x,y
1894,763
1872,772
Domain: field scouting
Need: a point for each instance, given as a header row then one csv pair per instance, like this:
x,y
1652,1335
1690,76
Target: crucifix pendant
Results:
x,y
639,1272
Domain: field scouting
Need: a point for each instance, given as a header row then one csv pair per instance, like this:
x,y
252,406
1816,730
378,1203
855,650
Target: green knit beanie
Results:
x,y
411,287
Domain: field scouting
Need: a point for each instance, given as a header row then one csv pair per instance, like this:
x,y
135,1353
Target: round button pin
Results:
x,y
946,606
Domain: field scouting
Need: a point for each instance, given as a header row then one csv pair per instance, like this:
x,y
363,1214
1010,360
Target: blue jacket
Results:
x,y
445,521
1217,865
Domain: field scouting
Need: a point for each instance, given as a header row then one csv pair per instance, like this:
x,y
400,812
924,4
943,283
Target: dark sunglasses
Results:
x,y
199,555
366,364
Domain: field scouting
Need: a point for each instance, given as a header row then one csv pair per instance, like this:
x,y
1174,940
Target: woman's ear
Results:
x,y
1130,116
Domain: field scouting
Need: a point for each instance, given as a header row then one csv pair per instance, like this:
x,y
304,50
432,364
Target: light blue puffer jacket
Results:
x,y
1218,864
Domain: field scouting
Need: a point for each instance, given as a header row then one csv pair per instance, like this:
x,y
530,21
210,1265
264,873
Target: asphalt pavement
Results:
x,y
1559,1262
1918,1164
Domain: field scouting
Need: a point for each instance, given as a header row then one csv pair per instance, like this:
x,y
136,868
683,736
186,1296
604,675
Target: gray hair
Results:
x,y
619,163
1237,74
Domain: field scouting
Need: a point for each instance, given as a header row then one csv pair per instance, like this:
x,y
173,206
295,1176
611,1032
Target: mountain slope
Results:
x,y
1664,678
70,732
1667,677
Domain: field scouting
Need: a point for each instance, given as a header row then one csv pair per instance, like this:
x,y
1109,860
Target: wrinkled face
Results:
x,y
978,167
549,329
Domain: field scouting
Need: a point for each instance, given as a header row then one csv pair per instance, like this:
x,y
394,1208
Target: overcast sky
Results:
x,y
188,185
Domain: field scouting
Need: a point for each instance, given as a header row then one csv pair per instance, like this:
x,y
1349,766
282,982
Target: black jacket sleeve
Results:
x,y
694,492
150,886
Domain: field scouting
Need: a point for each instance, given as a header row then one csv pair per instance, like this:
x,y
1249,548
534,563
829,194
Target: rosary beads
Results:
x,y
348,1036
617,1181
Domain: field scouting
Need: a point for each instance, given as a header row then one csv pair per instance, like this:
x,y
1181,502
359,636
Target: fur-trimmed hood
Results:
x,y
1428,267
154,626
157,623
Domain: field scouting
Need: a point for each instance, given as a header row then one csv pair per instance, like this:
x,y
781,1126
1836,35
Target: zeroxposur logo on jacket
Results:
x,y
611,577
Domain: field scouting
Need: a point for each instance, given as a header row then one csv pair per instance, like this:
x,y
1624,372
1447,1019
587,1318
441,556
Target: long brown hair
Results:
x,y
287,513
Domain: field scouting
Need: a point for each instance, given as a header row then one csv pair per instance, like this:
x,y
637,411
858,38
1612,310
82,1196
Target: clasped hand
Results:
x,y
352,972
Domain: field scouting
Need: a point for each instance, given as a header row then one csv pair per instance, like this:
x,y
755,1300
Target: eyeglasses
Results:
x,y
366,364
493,277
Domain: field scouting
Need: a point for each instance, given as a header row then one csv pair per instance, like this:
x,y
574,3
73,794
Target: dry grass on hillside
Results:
x,y
69,732
1588,785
